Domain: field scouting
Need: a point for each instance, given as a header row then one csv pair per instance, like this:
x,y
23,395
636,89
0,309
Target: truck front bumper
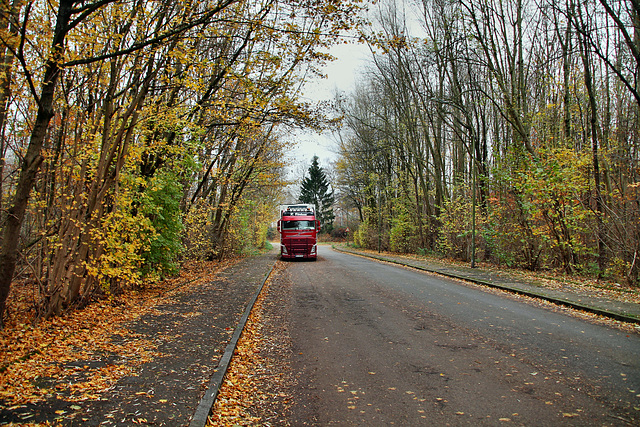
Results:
x,y
298,252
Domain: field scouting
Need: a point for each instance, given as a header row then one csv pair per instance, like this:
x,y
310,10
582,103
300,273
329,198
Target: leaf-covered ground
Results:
x,y
146,357
257,387
142,357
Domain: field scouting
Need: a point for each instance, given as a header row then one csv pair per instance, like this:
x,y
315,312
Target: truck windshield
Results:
x,y
298,225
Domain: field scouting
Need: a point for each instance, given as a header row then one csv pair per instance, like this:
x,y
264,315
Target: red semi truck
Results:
x,y
298,229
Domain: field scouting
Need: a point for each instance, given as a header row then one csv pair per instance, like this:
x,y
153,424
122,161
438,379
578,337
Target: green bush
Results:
x,y
455,235
366,236
403,235
161,205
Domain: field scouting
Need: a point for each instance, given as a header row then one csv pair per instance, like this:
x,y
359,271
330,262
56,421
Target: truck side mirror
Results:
x,y
318,225
279,226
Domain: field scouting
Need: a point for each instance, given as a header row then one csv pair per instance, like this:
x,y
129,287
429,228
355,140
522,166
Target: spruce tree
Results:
x,y
315,191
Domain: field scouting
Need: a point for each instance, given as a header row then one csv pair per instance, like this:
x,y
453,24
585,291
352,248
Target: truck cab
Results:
x,y
298,228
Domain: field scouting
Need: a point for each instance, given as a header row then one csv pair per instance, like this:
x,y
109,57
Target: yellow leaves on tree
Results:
x,y
124,239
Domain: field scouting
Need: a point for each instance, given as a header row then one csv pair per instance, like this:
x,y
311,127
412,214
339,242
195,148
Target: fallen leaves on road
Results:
x,y
83,353
255,388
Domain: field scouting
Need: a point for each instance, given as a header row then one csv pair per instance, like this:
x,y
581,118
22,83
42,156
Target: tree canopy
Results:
x,y
506,131
133,134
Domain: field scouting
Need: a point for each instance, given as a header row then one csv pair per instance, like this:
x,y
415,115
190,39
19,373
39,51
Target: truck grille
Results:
x,y
298,247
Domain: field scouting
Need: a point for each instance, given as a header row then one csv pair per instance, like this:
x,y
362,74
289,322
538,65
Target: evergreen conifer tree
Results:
x,y
315,191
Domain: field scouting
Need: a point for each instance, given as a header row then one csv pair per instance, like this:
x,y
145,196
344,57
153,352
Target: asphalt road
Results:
x,y
377,344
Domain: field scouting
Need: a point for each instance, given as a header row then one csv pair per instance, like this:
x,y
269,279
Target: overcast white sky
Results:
x,y
341,76
352,60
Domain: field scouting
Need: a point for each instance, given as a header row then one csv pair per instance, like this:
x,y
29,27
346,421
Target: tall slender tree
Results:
x,y
315,190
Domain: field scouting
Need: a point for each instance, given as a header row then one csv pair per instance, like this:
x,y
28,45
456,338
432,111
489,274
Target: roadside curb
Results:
x,y
572,304
203,410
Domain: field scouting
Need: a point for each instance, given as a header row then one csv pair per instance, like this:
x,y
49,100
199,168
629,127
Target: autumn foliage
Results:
x,y
50,372
136,134
504,132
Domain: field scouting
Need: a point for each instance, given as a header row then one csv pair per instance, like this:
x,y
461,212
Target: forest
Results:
x,y
136,134
500,131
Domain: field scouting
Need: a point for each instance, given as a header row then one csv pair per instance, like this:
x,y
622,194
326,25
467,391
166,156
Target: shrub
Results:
x,y
122,238
249,225
366,236
196,238
455,235
403,235
339,233
162,206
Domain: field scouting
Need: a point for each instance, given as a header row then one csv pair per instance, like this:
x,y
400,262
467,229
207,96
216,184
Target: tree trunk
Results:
x,y
33,158
593,122
6,64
